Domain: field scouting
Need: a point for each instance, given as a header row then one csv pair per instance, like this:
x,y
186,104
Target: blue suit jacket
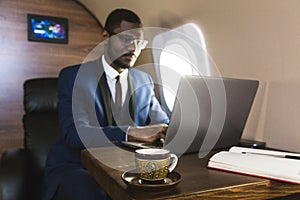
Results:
x,y
83,117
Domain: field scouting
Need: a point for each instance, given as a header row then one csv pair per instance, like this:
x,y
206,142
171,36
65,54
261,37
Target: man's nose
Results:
x,y
131,46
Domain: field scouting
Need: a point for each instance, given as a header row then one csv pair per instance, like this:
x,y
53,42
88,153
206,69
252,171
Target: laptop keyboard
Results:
x,y
157,144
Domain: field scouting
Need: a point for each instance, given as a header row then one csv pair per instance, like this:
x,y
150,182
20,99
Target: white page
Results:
x,y
266,166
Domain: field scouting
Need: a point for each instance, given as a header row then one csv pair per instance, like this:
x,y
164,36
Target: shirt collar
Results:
x,y
110,71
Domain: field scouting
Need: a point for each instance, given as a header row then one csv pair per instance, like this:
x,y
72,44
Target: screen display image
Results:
x,y
47,29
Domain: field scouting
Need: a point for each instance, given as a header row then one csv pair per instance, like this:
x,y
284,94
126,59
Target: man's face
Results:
x,y
123,46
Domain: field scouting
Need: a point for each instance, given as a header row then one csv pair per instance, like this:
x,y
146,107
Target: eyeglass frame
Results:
x,y
129,42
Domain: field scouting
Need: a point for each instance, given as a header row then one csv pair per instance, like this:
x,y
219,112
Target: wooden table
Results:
x,y
107,164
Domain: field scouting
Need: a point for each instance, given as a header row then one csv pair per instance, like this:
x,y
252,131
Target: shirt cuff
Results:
x,y
126,136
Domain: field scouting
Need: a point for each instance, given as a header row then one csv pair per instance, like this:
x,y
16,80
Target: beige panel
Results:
x,y
282,117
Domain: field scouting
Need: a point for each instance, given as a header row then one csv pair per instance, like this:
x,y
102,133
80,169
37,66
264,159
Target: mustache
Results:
x,y
129,54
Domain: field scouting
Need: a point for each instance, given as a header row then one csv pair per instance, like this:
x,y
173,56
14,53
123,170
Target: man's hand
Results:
x,y
147,133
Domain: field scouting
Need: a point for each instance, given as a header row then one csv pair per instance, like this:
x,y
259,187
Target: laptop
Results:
x,y
209,113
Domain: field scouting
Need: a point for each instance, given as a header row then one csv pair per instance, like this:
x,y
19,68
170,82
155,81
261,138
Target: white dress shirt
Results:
x,y
111,74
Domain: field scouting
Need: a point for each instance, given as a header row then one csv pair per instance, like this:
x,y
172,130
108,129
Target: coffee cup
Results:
x,y
154,164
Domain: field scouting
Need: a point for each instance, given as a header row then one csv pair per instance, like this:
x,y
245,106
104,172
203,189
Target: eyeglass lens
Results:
x,y
128,40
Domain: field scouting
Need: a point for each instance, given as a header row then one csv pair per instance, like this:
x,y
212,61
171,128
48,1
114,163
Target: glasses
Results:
x,y
129,40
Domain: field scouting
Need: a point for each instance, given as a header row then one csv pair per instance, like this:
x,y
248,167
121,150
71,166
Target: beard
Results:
x,y
125,61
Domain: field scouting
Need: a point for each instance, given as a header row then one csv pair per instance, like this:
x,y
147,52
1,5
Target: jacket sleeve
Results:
x,y
148,108
156,114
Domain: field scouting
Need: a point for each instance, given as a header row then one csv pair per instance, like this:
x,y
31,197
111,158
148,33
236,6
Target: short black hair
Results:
x,y
115,18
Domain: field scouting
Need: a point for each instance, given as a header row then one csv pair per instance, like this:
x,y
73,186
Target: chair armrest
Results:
x,y
13,174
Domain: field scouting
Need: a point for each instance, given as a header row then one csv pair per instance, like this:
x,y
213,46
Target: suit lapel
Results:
x,y
105,96
132,100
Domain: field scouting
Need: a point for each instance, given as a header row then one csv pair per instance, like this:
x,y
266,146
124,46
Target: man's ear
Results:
x,y
105,34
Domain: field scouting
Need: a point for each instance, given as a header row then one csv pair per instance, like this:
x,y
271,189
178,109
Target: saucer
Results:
x,y
132,179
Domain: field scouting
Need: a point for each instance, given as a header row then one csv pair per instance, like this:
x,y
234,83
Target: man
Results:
x,y
95,109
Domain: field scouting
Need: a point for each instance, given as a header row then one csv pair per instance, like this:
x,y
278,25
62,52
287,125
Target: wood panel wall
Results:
x,y
21,59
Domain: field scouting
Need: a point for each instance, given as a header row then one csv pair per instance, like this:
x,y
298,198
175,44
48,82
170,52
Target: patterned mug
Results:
x,y
154,164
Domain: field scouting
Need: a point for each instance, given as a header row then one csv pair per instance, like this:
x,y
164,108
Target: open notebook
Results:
x,y
238,98
277,165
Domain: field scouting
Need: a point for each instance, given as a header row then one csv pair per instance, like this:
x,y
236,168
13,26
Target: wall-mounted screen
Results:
x,y
47,29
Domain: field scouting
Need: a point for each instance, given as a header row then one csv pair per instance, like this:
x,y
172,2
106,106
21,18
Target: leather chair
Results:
x,y
22,170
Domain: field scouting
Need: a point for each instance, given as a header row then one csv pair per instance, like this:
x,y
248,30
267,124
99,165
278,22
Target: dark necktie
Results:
x,y
118,97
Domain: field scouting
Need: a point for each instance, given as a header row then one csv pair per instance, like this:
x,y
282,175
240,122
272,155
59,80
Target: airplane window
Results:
x,y
178,52
174,59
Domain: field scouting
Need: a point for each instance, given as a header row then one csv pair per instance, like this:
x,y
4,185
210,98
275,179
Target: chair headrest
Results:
x,y
40,95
